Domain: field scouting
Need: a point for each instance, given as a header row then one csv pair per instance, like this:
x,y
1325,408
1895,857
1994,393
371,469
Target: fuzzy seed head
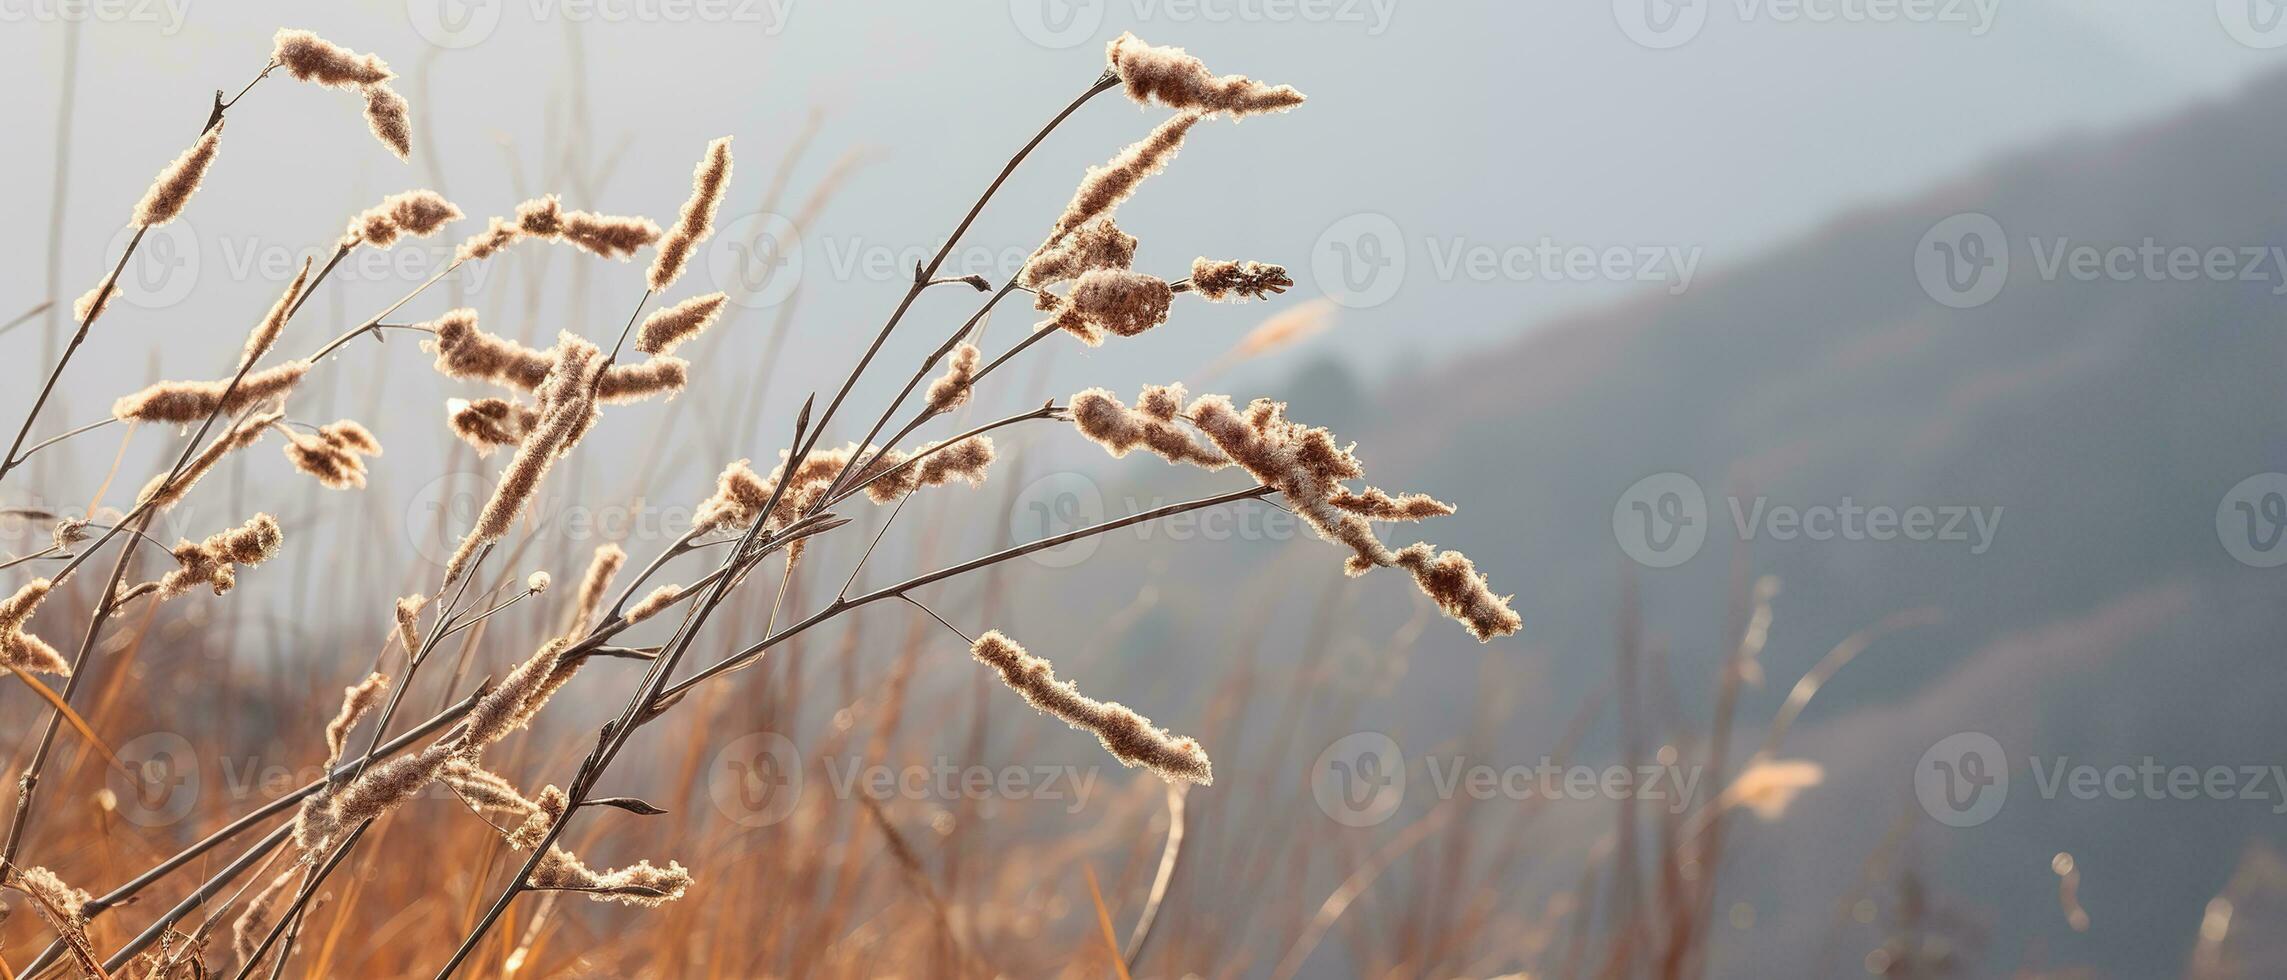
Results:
x,y
314,59
667,329
175,185
1228,281
1114,300
1177,80
1130,737
1105,187
265,335
20,650
951,390
387,115
416,212
190,402
697,219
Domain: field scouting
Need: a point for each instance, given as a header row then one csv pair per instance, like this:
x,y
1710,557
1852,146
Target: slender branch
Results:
x,y
747,655
1104,83
127,892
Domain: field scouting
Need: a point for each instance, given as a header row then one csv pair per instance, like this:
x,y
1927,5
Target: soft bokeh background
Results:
x,y
1798,179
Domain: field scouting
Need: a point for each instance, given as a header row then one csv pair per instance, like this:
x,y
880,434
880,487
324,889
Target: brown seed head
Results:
x,y
951,390
1130,737
311,58
1105,187
1227,281
188,402
23,651
416,212
174,186
697,219
1177,80
667,329
386,114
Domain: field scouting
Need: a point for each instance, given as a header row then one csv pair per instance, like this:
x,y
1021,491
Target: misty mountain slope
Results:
x,y
2102,421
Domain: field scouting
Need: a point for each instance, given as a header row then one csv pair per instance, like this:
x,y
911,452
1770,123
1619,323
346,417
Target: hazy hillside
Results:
x,y
2105,420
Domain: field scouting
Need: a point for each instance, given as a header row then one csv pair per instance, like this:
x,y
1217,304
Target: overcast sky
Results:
x,y
1462,172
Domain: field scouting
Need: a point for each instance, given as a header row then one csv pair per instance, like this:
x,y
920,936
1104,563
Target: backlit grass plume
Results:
x,y
265,333
1130,737
389,117
314,59
1117,301
606,236
214,561
697,219
175,185
568,400
1223,280
20,650
474,660
1177,80
667,329
418,212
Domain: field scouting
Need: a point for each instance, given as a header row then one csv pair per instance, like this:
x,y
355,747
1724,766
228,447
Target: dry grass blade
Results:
x,y
72,718
1104,919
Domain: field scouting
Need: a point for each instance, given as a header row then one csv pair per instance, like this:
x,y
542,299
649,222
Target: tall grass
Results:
x,y
411,849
